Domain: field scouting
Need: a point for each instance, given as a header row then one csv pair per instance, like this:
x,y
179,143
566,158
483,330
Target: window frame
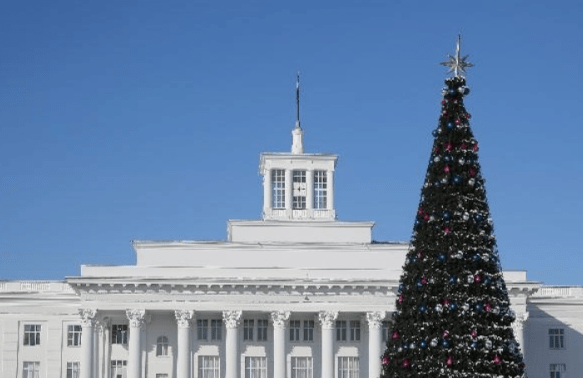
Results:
x,y
73,369
74,332
309,330
31,334
556,338
118,366
262,329
216,329
306,371
354,330
300,189
248,326
204,368
341,330
202,326
30,369
278,189
257,371
320,190
119,332
162,346
557,370
294,330
345,369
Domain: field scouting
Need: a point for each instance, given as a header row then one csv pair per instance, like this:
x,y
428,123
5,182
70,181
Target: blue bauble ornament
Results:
x,y
414,260
452,279
476,258
401,288
466,91
445,343
419,284
487,281
436,184
451,92
475,345
442,257
394,314
450,125
457,179
422,308
479,217
479,307
417,223
435,133
447,158
446,215
423,344
453,306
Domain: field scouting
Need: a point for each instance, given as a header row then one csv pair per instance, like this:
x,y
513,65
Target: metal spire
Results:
x,y
298,101
457,64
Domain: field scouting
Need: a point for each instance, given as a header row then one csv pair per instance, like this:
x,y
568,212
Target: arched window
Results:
x,y
162,346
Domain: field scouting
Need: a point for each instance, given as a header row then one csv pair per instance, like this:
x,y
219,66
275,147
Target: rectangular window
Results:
x,y
202,329
30,369
558,370
300,192
278,189
119,334
73,370
248,326
320,189
255,367
294,330
32,334
341,330
302,367
308,330
208,367
216,329
119,368
354,330
262,330
348,367
74,335
557,338
386,330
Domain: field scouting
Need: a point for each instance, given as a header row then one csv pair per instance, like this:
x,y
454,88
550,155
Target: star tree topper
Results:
x,y
457,64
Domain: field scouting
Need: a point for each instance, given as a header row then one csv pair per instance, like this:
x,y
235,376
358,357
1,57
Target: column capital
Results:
x,y
136,317
327,318
519,320
232,318
87,317
183,317
375,319
279,318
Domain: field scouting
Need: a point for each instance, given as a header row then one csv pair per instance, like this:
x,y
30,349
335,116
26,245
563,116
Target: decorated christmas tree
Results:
x,y
453,316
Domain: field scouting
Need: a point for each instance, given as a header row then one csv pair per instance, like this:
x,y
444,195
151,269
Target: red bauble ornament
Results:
x,y
476,147
477,278
446,303
445,334
424,281
446,230
395,335
400,299
458,122
443,102
446,169
497,359
463,146
474,334
488,307
406,363
426,217
420,255
448,146
449,361
386,360
420,211
472,171
436,149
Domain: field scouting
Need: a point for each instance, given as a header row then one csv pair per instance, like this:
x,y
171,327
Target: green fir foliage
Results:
x,y
453,315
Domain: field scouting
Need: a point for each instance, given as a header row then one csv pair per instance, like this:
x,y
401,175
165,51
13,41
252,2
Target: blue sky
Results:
x,y
124,120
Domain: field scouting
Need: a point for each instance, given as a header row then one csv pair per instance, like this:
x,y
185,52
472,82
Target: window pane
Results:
x,y
278,189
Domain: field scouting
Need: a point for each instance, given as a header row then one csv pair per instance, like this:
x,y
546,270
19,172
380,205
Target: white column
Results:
x,y
310,191
232,319
375,324
266,192
279,319
289,190
136,319
97,342
87,325
183,321
327,319
106,348
330,189
518,328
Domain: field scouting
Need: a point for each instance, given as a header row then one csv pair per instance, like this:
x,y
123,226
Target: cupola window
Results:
x,y
300,192
278,189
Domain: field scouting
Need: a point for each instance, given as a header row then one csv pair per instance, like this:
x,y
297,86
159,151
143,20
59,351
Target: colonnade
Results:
x,y
184,321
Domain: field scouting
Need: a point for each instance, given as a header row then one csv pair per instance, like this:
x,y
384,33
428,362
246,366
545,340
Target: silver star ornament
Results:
x,y
457,64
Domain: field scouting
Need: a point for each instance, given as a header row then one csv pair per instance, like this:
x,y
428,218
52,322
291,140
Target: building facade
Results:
x,y
296,294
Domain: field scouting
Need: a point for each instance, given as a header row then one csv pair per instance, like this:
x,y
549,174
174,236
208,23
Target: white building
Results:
x,y
295,294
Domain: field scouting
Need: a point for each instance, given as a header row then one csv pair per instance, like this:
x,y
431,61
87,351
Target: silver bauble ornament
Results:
x,y
434,343
471,182
438,307
466,216
470,279
488,344
466,307
436,159
461,161
444,180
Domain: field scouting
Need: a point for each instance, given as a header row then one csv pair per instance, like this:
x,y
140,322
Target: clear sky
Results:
x,y
123,120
